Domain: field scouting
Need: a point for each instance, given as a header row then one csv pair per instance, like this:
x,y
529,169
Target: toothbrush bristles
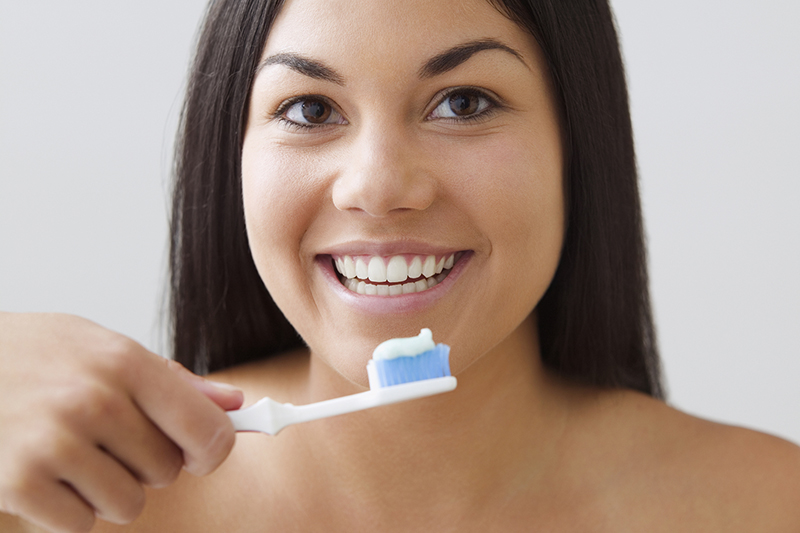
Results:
x,y
427,365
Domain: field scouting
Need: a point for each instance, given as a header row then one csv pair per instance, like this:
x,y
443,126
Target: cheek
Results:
x,y
512,188
279,200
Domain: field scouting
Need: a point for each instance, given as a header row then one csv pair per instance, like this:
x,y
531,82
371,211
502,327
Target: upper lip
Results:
x,y
389,248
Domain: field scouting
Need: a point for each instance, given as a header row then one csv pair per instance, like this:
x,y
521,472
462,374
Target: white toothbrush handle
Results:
x,y
269,416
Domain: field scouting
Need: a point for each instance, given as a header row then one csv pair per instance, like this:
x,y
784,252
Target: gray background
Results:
x,y
89,96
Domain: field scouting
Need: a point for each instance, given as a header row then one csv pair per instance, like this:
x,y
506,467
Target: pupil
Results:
x,y
463,104
315,111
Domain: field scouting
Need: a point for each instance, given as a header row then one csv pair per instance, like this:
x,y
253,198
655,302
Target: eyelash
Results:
x,y
492,106
280,113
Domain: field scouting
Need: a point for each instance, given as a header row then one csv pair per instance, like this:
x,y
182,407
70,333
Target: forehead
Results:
x,y
389,34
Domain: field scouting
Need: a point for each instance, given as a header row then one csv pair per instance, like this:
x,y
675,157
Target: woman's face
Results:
x,y
390,140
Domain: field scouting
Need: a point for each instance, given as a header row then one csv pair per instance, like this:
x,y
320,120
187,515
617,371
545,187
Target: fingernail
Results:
x,y
224,386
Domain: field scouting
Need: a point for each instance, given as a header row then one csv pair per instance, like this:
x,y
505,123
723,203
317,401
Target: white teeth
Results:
x,y
361,269
376,269
448,264
415,268
357,272
397,270
429,268
395,290
349,267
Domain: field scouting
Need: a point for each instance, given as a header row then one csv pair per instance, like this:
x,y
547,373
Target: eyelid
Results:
x,y
284,106
496,103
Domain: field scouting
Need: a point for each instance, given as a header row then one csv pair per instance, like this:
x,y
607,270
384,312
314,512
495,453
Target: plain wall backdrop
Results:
x,y
89,97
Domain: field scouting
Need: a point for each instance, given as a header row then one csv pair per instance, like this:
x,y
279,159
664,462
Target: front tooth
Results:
x,y
395,290
371,289
397,270
409,288
449,263
440,266
383,290
361,269
361,288
429,268
421,285
349,267
415,268
376,269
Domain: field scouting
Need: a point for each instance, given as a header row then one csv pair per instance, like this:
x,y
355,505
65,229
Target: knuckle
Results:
x,y
167,471
58,449
88,403
172,469
82,521
120,354
131,508
215,449
15,489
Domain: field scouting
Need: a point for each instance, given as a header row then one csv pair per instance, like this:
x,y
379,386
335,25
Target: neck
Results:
x,y
502,423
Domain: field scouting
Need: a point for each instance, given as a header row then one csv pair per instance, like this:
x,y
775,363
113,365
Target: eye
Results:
x,y
308,112
464,104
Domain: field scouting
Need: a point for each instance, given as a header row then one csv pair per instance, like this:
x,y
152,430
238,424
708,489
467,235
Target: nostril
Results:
x,y
380,190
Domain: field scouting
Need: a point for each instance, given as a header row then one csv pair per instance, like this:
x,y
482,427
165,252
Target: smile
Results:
x,y
393,275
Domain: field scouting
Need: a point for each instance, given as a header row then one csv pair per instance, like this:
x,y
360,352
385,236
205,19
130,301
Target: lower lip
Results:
x,y
402,303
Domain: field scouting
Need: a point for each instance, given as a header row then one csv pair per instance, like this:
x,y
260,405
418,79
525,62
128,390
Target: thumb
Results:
x,y
226,396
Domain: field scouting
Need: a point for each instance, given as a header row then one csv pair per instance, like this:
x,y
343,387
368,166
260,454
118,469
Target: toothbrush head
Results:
x,y
409,359
430,364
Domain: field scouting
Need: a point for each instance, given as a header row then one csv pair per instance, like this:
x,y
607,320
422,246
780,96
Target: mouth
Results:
x,y
393,275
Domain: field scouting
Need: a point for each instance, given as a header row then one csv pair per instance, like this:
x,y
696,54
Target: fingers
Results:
x,y
198,426
51,505
114,493
141,447
88,416
226,396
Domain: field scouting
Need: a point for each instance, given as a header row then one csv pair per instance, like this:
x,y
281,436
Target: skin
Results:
x,y
513,447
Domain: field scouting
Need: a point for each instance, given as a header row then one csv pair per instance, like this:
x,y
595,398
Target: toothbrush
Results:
x,y
400,370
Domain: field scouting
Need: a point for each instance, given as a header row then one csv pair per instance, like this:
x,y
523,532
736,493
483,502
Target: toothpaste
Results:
x,y
405,347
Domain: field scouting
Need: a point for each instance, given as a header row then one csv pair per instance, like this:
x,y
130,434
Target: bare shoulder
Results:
x,y
277,377
736,478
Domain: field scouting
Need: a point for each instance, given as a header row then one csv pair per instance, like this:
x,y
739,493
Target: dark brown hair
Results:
x,y
595,320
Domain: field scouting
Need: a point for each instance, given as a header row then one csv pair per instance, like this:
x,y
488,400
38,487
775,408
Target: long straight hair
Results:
x,y
595,319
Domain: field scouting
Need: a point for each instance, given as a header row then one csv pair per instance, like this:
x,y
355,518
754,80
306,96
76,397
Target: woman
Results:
x,y
318,132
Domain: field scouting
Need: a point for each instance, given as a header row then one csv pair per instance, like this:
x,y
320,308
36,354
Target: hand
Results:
x,y
88,417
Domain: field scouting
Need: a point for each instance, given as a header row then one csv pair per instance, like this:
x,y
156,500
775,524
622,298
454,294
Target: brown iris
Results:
x,y
463,104
316,111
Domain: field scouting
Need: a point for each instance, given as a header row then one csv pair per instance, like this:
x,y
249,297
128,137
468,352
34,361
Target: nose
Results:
x,y
385,173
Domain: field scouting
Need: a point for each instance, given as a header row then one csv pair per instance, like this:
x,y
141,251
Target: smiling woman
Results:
x,y
466,167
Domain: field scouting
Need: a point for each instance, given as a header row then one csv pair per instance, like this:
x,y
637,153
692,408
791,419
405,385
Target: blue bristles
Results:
x,y
427,365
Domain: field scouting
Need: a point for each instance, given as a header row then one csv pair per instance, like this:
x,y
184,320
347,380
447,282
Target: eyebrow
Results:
x,y
450,59
309,67
438,64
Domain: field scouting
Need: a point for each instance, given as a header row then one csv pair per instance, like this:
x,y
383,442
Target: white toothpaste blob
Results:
x,y
407,346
